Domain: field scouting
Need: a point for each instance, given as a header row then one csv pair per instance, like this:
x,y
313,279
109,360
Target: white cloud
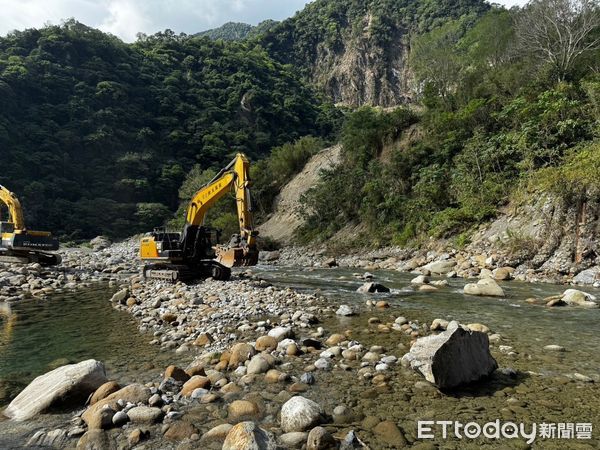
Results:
x,y
125,18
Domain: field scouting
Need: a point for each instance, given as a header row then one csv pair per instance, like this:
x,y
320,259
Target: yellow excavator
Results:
x,y
20,245
193,253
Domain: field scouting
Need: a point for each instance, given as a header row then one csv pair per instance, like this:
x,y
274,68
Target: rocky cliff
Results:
x,y
548,235
357,51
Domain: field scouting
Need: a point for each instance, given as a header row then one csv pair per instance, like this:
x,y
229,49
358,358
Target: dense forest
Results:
x,y
237,31
504,115
97,136
102,137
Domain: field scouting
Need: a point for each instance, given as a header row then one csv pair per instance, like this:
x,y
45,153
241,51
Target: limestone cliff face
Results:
x,y
357,51
361,72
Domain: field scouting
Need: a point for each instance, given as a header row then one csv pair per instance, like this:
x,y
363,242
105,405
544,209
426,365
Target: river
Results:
x,y
81,325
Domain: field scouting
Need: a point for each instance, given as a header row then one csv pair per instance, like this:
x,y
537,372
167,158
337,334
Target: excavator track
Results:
x,y
45,259
173,273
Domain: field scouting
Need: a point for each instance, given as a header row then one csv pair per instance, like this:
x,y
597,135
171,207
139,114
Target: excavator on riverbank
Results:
x,y
193,253
17,243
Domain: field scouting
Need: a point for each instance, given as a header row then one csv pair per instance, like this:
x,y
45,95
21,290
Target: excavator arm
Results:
x,y
15,212
242,249
235,175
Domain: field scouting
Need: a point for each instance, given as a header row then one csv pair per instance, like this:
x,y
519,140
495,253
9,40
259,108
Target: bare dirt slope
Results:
x,y
287,217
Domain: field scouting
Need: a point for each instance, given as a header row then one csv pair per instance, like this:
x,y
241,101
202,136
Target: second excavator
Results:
x,y
193,252
17,243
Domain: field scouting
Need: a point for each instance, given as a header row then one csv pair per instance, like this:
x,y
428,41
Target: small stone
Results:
x,y
335,339
421,279
135,437
240,353
217,434
155,400
197,381
248,436
554,348
319,439
307,378
104,391
265,343
243,409
323,364
120,418
370,288
281,333
478,327
275,376
439,325
102,419
295,439
204,340
345,310
144,414
180,430
484,287
389,433
258,364
176,373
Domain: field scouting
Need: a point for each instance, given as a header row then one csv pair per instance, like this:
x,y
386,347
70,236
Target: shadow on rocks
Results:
x,y
500,379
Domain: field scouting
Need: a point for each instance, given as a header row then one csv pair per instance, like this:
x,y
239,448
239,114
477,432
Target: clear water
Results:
x,y
72,327
81,325
528,328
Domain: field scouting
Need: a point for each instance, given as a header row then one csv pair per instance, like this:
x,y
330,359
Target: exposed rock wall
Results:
x,y
547,234
288,217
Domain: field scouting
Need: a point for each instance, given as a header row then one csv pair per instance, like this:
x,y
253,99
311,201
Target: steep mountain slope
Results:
x,y
357,50
288,216
96,135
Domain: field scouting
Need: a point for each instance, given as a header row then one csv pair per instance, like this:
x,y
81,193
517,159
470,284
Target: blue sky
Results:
x,y
125,18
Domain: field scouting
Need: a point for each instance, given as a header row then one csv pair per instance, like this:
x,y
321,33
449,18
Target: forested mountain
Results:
x,y
357,51
96,136
236,31
509,114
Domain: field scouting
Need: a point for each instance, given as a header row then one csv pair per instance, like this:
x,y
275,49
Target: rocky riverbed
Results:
x,y
292,367
470,263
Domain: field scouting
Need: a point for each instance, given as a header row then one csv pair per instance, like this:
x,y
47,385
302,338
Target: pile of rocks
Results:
x,y
79,268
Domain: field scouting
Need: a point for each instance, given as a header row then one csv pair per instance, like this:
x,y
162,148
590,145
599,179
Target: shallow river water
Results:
x,y
82,325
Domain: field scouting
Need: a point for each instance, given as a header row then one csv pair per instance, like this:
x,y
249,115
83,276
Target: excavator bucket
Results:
x,y
236,256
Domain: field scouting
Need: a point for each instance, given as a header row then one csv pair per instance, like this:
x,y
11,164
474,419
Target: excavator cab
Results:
x,y
7,227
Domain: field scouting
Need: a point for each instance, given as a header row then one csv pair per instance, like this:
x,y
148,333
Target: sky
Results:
x,y
125,18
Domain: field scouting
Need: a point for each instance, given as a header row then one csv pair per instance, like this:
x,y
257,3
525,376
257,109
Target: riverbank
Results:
x,y
466,264
274,332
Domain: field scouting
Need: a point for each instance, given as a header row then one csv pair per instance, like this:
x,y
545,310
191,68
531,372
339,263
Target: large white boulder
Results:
x,y
484,287
66,382
452,358
574,297
300,414
440,267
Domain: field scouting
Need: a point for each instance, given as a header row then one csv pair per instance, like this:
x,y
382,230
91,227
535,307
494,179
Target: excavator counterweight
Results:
x,y
193,252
